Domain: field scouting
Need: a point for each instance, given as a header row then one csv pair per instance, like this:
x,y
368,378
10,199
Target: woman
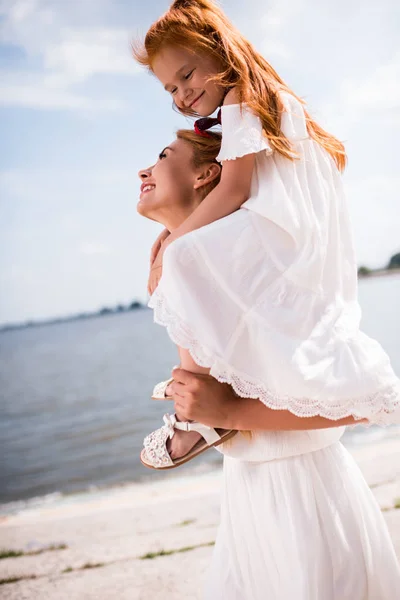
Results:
x,y
297,518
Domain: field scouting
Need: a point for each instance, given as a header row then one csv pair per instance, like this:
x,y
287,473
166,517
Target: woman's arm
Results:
x,y
202,398
250,413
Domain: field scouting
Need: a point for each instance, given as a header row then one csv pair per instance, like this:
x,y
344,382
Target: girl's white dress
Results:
x,y
267,299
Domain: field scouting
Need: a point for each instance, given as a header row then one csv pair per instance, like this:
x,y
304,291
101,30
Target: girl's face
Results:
x,y
168,187
186,77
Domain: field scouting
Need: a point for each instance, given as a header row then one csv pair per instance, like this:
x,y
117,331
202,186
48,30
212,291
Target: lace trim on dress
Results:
x,y
375,407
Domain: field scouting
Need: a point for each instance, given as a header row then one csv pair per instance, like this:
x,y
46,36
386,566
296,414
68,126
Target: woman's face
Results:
x,y
169,185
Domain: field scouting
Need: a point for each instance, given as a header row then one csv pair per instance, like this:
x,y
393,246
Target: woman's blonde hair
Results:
x,y
201,26
205,151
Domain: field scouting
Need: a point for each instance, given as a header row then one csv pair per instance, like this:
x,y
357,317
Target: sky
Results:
x,y
78,119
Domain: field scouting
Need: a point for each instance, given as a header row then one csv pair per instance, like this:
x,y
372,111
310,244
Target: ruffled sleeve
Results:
x,y
241,133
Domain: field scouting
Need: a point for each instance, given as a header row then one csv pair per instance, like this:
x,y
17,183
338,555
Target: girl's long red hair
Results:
x,y
201,26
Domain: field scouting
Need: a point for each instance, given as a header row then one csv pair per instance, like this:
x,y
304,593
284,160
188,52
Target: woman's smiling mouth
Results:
x,y
146,187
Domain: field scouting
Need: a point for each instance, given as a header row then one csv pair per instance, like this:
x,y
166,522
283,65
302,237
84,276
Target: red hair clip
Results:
x,y
201,125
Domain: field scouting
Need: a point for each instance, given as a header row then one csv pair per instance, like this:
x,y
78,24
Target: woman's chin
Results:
x,y
145,209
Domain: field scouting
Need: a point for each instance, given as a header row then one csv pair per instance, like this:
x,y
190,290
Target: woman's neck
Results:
x,y
174,217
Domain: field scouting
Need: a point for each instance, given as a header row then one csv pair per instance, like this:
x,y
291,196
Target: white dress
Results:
x,y
267,299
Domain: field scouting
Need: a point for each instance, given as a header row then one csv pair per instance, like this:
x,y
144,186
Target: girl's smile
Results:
x,y
195,103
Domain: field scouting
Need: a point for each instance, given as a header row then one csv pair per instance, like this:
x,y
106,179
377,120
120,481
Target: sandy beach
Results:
x,y
144,541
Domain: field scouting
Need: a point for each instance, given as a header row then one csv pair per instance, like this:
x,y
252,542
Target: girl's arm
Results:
x,y
231,192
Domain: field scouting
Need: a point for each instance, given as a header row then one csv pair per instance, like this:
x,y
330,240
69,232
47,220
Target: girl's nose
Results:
x,y
144,173
183,97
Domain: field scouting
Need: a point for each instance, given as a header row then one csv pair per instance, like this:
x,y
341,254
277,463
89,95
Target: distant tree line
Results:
x,y
120,308
394,263
363,271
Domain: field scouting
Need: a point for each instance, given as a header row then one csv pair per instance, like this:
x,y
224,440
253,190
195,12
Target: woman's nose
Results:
x,y
144,173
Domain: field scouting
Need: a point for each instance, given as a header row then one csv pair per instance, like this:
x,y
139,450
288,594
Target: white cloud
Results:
x,y
379,91
41,93
270,25
83,53
67,55
276,24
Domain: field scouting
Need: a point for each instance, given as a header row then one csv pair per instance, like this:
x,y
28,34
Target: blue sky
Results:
x,y
78,119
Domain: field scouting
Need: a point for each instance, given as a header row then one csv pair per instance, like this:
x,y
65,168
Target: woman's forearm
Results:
x,y
251,414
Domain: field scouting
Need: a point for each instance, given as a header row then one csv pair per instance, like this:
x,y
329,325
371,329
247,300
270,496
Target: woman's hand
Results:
x,y
202,398
156,247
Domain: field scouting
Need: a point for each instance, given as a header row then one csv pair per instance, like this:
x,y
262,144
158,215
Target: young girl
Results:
x,y
258,287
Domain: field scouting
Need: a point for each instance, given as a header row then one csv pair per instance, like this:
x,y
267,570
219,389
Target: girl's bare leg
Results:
x,y
183,441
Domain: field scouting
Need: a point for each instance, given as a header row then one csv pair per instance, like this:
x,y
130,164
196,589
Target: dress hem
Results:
x,y
375,407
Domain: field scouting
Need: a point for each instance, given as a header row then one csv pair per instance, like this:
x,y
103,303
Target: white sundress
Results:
x,y
267,299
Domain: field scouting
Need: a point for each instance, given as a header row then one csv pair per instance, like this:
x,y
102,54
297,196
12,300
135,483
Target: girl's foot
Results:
x,y
183,441
155,454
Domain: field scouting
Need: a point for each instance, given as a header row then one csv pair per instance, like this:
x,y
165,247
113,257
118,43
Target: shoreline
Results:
x,y
379,273
352,439
146,541
135,306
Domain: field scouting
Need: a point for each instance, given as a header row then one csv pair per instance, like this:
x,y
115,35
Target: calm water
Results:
x,y
75,397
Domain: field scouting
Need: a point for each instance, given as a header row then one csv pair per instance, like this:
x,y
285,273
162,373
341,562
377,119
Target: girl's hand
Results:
x,y
156,247
156,267
155,273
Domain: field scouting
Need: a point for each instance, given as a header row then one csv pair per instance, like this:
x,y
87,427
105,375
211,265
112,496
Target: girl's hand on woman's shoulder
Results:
x,y
156,265
156,247
155,273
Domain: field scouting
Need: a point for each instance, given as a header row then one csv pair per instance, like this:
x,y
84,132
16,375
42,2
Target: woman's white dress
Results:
x,y
267,299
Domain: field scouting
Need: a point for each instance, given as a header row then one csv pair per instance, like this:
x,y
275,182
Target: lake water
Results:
x,y
75,397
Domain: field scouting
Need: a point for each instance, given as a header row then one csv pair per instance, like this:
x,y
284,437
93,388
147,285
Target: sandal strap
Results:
x,y
159,391
208,433
155,444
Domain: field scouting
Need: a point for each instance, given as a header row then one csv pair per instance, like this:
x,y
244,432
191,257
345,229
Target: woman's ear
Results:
x,y
207,175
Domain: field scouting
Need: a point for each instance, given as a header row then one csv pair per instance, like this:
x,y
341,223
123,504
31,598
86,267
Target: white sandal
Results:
x,y
155,454
160,390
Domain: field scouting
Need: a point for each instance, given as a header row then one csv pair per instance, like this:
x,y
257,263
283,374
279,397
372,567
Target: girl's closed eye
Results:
x,y
162,155
187,77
